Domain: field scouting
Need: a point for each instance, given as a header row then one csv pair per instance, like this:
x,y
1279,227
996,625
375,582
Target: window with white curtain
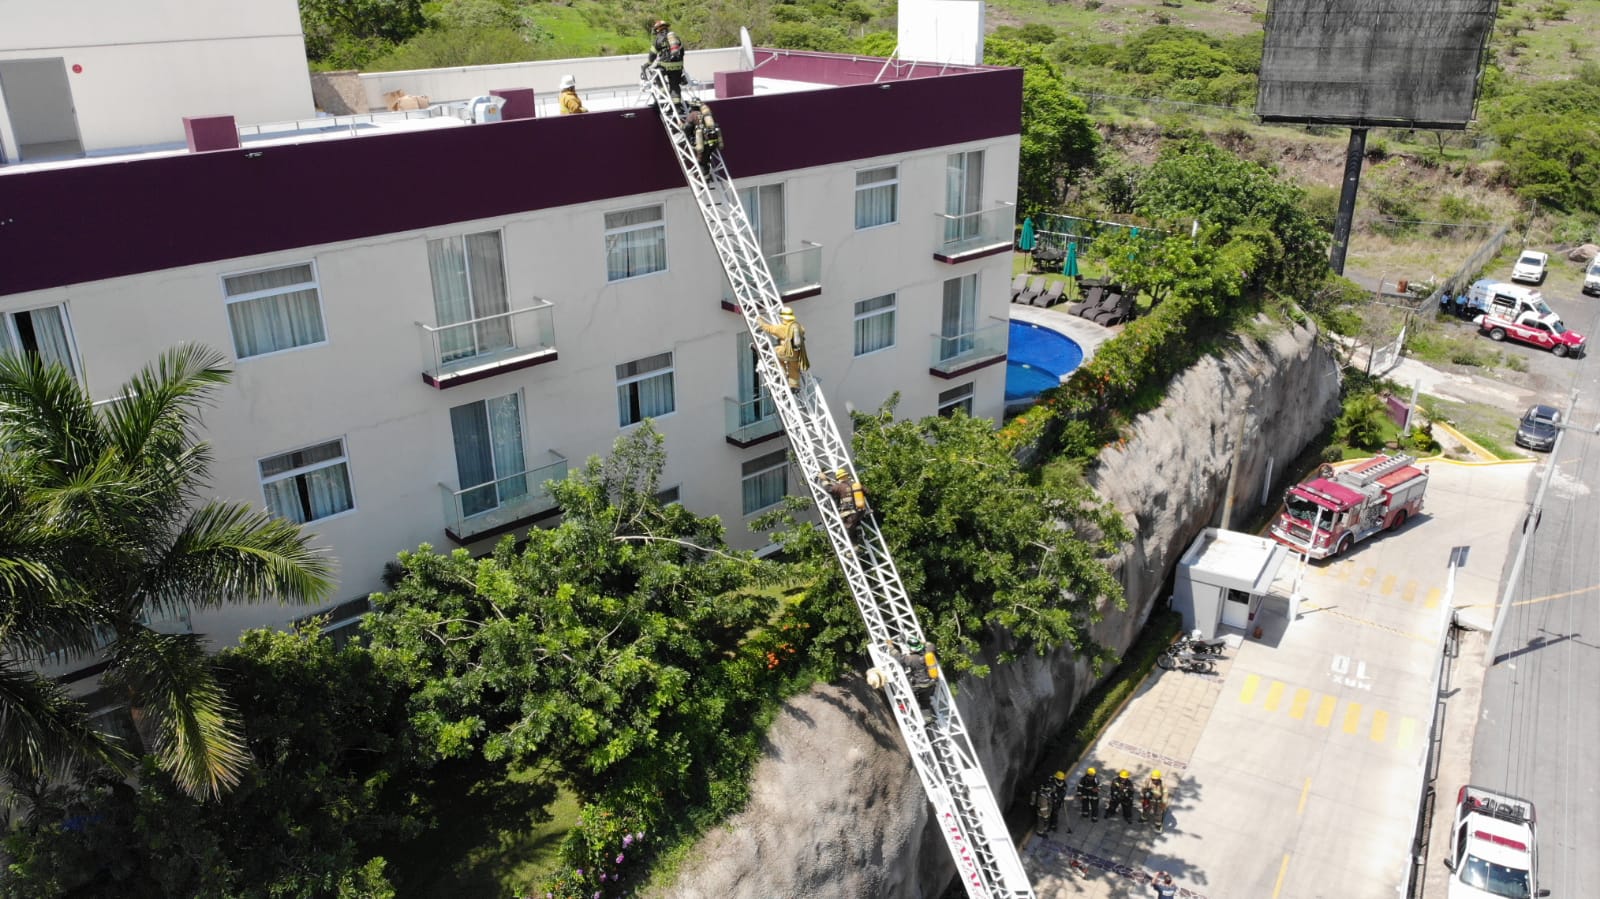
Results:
x,y
755,403
765,481
763,206
874,324
645,389
274,309
963,194
43,332
469,291
490,464
636,242
958,319
877,196
956,398
307,484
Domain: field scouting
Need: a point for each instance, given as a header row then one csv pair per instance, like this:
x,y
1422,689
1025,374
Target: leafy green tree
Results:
x,y
1362,422
1058,137
111,534
982,545
349,33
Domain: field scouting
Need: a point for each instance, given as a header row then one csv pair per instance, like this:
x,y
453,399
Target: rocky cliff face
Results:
x,y
836,808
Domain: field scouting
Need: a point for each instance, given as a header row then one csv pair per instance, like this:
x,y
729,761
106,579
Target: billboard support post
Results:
x,y
1353,156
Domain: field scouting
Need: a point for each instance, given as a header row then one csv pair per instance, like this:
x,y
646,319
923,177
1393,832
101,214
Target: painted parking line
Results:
x,y
1367,576
1410,592
1247,693
1297,709
1388,584
1274,696
1379,725
1325,711
1433,598
1352,718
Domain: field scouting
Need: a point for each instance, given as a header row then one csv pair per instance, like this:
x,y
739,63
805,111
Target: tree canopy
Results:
x,y
1057,135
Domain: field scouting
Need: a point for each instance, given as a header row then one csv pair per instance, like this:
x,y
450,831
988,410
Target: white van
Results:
x,y
1591,277
1508,300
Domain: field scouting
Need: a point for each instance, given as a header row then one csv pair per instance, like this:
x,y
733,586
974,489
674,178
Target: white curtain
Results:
x,y
959,317
755,403
641,395
488,444
326,491
637,251
874,324
505,424
876,202
765,482
49,332
469,282
764,207
287,316
963,194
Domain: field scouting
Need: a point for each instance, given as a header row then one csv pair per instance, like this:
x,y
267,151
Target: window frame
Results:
x,y
669,371
961,395
315,282
746,474
889,311
460,239
609,233
894,218
13,338
299,471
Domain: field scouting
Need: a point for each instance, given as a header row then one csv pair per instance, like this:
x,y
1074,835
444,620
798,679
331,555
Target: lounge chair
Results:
x,y
1108,302
1018,284
1120,312
1051,294
1034,288
1089,301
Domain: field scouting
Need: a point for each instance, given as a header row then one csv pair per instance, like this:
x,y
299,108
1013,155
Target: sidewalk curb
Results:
x,y
1480,452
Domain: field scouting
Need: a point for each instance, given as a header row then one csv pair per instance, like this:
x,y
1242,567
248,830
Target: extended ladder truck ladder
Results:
x,y
968,815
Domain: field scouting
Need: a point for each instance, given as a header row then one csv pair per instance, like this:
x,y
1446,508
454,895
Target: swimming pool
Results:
x,y
1036,359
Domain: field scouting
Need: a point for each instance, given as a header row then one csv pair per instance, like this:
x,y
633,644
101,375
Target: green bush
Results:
x,y
1363,422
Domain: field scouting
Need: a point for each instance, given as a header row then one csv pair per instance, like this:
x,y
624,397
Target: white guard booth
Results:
x,y
1222,578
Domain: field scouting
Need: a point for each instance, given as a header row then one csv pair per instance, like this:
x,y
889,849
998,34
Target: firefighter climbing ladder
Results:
x,y
968,814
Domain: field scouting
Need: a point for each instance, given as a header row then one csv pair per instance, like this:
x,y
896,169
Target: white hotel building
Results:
x,y
427,318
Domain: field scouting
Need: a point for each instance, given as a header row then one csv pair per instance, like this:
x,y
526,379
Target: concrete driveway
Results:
x,y
1295,770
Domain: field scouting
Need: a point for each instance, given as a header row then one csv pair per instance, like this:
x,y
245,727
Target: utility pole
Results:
x,y
1529,525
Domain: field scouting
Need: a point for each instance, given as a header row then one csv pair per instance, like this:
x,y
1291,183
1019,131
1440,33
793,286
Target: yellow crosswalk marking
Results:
x,y
1380,725
1433,599
1367,576
1410,592
1344,569
1247,694
1408,732
1352,717
1388,584
1274,696
1302,698
1325,711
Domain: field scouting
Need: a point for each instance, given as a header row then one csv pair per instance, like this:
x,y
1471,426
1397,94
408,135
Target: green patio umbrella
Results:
x,y
1069,266
1026,243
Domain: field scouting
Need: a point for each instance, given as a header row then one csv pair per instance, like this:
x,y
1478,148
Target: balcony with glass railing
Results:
x,y
504,504
750,422
957,354
468,351
797,274
975,234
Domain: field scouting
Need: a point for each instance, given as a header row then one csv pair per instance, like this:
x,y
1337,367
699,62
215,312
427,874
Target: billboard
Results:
x,y
1394,63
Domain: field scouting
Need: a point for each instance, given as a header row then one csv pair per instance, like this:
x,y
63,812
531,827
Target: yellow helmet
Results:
x,y
841,473
1122,773
1155,775
1061,775
1090,772
786,314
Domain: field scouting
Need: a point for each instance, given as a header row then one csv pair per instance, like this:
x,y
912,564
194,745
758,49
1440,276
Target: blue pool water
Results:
x,y
1036,359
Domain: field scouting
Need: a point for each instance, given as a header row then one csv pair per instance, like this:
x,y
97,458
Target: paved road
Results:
x,y
1538,734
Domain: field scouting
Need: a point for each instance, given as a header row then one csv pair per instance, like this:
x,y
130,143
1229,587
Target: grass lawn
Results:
x,y
1490,427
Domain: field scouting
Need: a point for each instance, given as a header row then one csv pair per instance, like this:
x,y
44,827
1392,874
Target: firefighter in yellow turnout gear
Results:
x,y
790,345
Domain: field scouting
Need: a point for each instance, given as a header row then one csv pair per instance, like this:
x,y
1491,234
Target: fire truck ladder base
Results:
x,y
941,750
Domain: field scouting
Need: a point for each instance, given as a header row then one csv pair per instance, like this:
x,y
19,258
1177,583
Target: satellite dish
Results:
x,y
747,53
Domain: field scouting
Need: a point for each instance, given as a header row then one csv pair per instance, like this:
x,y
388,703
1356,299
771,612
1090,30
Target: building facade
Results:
x,y
427,323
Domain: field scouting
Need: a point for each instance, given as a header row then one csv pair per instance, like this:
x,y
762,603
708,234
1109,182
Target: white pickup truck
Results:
x,y
1493,853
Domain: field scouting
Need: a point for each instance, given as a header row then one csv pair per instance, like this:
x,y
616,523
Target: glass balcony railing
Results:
x,y
795,273
749,421
975,231
958,351
466,351
502,503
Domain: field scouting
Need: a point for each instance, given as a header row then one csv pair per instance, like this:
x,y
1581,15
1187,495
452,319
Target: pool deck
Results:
x,y
1083,332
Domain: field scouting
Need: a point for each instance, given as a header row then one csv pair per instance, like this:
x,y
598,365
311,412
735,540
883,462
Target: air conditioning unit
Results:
x,y
484,109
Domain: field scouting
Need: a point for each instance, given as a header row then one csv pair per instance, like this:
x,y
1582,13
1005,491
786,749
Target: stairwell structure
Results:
x,y
968,814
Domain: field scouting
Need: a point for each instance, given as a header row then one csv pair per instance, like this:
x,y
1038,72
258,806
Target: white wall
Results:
x,y
145,66
544,76
364,384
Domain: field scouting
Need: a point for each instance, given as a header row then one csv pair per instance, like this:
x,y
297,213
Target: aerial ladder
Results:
x,y
965,807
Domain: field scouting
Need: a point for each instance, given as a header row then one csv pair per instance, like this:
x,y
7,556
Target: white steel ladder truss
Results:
x,y
968,814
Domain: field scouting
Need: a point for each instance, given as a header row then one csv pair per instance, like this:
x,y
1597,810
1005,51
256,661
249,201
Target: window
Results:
x,y
273,310
755,403
877,196
41,332
307,484
764,207
668,495
636,243
958,319
766,481
963,194
469,285
956,398
489,461
874,324
644,389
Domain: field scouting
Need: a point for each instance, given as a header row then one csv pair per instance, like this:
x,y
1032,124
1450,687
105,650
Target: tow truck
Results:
x,y
1493,853
1335,510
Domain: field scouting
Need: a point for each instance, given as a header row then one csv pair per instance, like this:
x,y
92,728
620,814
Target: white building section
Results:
x,y
1222,578
941,31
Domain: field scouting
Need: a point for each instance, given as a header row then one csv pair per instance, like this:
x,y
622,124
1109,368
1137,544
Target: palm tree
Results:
x,y
102,528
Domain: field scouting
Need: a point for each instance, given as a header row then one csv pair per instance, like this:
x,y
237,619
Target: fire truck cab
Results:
x,y
1332,512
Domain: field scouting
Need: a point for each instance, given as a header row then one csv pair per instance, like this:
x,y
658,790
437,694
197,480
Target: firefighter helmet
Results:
x,y
1090,772
1061,775
1123,773
1155,775
660,25
786,314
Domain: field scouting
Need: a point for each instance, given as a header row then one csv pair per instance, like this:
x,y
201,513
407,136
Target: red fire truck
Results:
x,y
1332,512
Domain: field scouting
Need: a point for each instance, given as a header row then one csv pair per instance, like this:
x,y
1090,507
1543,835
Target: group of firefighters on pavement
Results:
x,y
1052,795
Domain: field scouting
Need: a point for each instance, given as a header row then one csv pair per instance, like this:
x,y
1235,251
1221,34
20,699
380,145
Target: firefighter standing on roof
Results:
x,y
790,346
666,54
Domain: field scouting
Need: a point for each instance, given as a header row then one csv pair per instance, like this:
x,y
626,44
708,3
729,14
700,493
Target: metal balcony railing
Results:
x,y
975,232
749,421
796,274
503,503
467,351
958,351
